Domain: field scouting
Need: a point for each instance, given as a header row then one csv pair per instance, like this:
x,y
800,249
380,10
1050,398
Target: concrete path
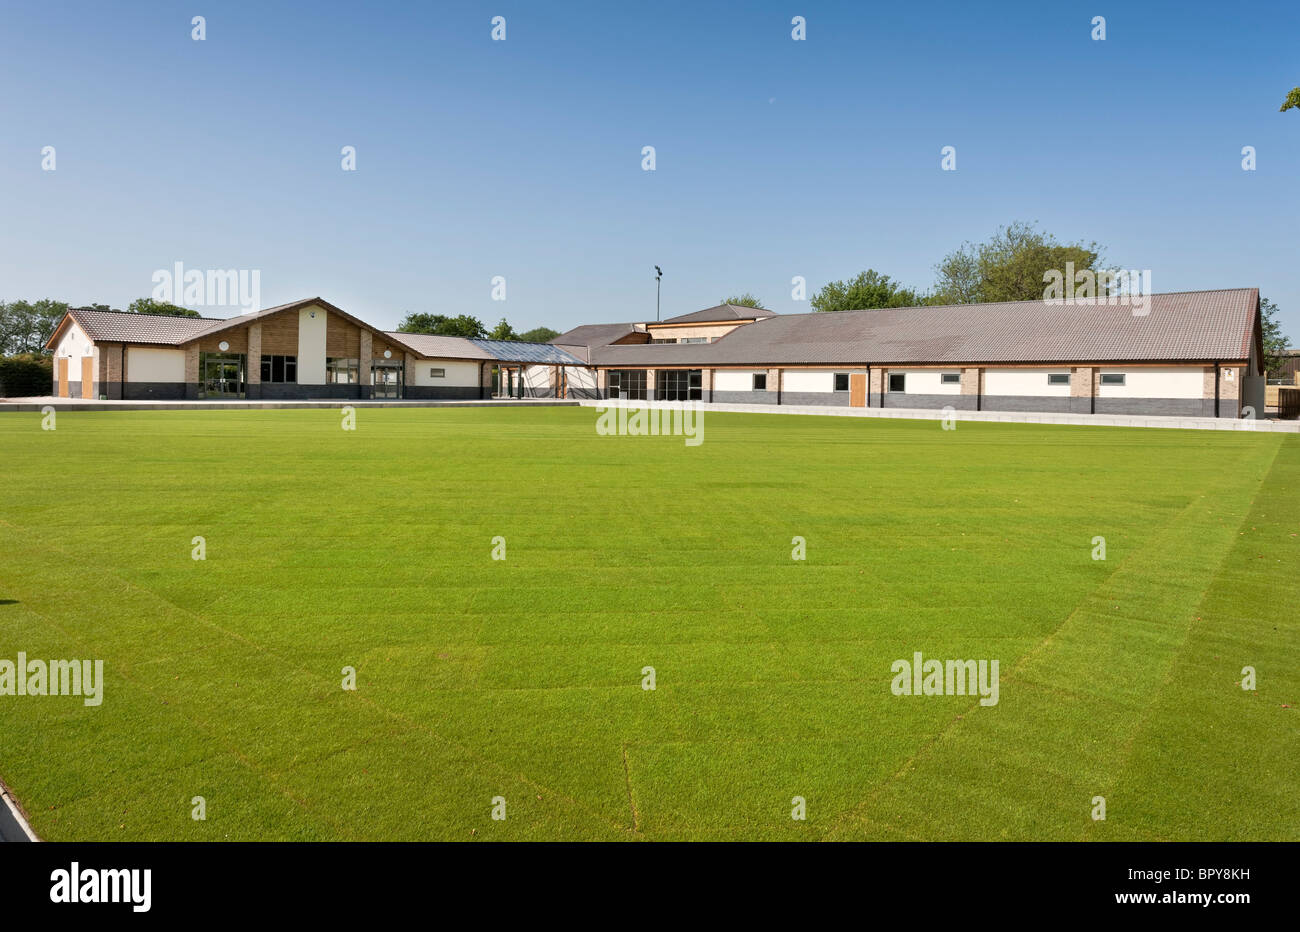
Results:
x,y
1006,417
13,827
89,404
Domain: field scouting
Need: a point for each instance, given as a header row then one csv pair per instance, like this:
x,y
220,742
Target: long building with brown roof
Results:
x,y
1189,353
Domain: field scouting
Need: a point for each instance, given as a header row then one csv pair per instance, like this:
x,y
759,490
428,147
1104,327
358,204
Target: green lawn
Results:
x,y
522,678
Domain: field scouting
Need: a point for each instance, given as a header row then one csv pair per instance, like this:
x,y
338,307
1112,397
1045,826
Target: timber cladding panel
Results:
x,y
280,334
378,347
237,337
342,338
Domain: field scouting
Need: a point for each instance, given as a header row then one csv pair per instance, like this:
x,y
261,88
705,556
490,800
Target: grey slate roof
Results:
x,y
439,347
723,313
593,335
1198,325
125,327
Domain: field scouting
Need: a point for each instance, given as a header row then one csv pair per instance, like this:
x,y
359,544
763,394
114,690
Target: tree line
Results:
x,y
464,325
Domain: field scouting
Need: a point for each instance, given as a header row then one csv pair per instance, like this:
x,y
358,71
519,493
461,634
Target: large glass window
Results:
x,y
627,383
898,381
841,382
279,368
342,371
222,375
678,385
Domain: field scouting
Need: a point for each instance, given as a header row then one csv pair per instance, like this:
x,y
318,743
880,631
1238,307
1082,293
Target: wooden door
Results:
x,y
87,376
857,390
63,376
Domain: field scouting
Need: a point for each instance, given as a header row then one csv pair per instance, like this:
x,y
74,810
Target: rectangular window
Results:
x,y
694,340
951,378
760,381
841,381
665,340
342,371
1058,378
279,368
437,373
1112,378
898,381
627,383
678,385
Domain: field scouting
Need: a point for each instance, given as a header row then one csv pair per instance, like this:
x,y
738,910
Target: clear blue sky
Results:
x,y
522,158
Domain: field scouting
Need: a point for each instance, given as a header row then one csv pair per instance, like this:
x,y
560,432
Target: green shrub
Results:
x,y
27,374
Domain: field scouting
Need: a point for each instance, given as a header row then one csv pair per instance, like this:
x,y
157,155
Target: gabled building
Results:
x,y
305,349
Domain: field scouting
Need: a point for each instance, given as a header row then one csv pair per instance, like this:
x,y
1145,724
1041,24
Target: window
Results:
x,y
841,381
437,373
1112,378
279,368
760,381
663,340
341,371
1058,378
898,381
951,378
627,383
678,385
694,340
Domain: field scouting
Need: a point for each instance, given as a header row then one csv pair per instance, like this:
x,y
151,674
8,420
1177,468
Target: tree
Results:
x,y
26,325
869,290
1292,100
503,331
160,308
1275,341
1010,266
441,325
744,300
539,335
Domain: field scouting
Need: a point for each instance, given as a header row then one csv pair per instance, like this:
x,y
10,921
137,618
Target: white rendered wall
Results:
x,y
150,364
458,373
1025,382
809,380
736,380
1144,382
927,382
311,345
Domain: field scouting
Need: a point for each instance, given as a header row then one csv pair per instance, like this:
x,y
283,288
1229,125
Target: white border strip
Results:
x,y
12,805
937,414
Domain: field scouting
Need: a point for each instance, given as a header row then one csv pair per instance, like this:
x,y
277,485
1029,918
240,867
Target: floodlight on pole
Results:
x,y
659,273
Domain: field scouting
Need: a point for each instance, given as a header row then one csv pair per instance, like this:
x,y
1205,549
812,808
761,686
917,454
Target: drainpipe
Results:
x,y
1216,389
121,377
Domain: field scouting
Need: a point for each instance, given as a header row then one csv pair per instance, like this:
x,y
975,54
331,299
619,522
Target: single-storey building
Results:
x,y
305,349
1189,353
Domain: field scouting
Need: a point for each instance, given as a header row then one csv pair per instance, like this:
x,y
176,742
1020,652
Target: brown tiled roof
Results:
x,y
1196,325
126,327
439,347
723,313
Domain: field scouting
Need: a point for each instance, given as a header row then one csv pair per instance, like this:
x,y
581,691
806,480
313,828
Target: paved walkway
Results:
x,y
90,404
1006,417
